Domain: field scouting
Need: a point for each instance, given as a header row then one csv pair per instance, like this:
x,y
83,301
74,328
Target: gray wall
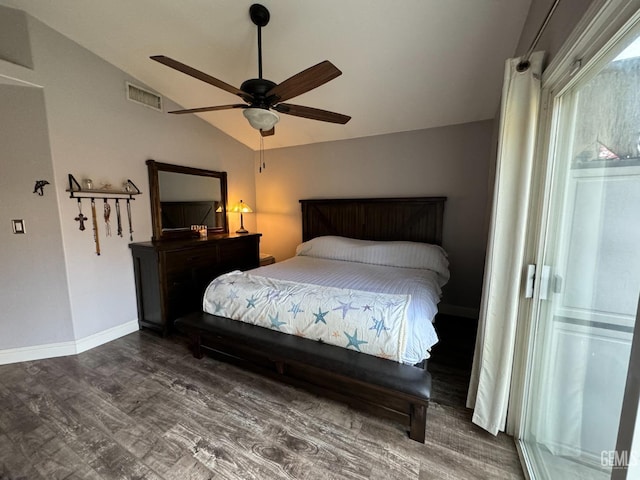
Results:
x,y
34,302
93,132
452,161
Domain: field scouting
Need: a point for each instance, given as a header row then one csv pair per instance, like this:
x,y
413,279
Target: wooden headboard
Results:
x,y
417,219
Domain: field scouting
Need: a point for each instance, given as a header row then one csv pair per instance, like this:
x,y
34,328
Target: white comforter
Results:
x,y
422,285
371,323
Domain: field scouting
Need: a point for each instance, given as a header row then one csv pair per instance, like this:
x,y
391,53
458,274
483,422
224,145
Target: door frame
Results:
x,y
601,29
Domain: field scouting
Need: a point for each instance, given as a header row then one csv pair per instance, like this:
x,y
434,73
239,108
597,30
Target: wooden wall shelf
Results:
x,y
76,191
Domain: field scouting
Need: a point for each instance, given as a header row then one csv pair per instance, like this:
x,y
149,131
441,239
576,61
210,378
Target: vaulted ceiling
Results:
x,y
407,64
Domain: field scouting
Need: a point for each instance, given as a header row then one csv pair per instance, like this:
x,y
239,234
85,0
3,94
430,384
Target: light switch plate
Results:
x,y
18,226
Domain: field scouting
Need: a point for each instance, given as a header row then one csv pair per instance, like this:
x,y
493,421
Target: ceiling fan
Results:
x,y
263,96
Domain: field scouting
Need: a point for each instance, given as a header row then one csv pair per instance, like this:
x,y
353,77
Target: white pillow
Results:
x,y
395,254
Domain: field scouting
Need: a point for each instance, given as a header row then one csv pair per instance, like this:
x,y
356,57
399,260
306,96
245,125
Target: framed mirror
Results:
x,y
183,196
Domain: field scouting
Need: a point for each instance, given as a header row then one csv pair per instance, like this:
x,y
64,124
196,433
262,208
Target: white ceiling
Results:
x,y
407,64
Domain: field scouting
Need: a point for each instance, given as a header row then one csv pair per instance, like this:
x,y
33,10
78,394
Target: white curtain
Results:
x,y
493,359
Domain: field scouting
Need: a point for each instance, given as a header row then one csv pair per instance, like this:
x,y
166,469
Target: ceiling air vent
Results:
x,y
144,97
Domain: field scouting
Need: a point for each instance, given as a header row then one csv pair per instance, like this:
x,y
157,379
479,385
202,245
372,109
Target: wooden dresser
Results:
x,y
171,276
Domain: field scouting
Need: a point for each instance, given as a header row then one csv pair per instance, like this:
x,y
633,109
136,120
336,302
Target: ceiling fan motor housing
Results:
x,y
259,87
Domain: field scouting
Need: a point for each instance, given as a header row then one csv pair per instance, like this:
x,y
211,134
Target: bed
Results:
x,y
379,298
345,251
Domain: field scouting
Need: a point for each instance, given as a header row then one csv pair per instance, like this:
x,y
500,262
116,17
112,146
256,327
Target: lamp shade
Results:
x,y
241,207
261,118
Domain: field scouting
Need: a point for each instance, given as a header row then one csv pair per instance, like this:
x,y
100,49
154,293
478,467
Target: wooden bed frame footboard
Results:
x,y
376,385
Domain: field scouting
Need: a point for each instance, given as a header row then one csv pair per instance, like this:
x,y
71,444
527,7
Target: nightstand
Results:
x,y
266,259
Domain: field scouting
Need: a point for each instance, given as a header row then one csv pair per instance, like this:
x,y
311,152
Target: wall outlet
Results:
x,y
18,226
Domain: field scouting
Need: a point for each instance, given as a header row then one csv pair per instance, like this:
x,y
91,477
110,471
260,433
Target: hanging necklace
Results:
x,y
107,214
129,218
118,219
80,218
94,221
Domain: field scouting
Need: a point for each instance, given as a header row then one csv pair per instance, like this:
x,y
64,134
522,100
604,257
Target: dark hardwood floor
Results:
x,y
451,359
141,407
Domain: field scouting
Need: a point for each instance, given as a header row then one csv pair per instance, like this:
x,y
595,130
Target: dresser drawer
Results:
x,y
178,283
181,260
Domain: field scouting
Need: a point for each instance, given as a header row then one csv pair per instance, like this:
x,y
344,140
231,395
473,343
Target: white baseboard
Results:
x,y
51,350
37,352
100,338
458,311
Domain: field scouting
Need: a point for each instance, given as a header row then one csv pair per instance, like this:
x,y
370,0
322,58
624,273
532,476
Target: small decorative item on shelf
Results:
x,y
201,230
87,183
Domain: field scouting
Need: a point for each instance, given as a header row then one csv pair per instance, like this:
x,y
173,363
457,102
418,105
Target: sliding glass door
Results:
x,y
589,275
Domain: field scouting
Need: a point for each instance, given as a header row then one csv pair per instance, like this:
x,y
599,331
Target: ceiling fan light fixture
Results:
x,y
261,118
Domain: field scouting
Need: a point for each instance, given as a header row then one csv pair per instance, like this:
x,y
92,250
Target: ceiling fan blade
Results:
x,y
210,109
304,81
268,133
312,113
181,67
